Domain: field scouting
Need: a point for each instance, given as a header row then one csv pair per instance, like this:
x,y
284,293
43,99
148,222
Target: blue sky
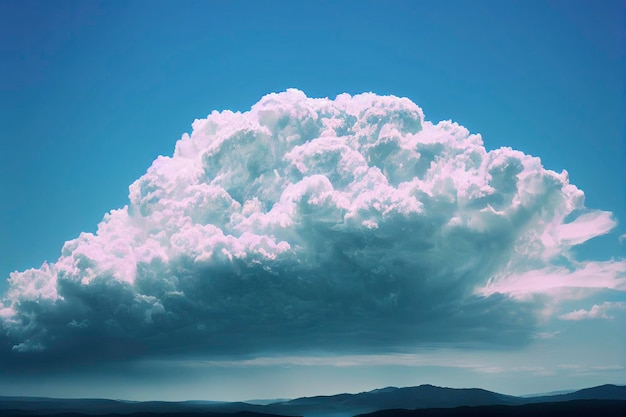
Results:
x,y
92,92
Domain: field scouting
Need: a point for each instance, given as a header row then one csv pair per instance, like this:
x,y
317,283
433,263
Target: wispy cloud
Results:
x,y
546,335
586,275
444,358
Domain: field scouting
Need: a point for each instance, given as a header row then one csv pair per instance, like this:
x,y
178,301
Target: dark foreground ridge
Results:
x,y
577,408
21,413
423,400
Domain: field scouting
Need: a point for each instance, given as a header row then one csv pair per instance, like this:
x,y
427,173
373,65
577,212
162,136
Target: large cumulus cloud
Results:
x,y
341,225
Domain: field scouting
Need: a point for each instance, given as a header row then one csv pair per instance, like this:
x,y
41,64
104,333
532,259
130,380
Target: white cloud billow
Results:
x,y
598,311
332,224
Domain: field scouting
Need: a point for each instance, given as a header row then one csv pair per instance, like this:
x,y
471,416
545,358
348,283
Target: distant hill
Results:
x,y
427,396
602,392
49,406
341,405
423,396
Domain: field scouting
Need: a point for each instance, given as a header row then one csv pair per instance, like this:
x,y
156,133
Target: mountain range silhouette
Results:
x,y
423,400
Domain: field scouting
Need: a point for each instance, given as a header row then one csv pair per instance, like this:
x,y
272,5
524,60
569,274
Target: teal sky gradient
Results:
x,y
91,92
